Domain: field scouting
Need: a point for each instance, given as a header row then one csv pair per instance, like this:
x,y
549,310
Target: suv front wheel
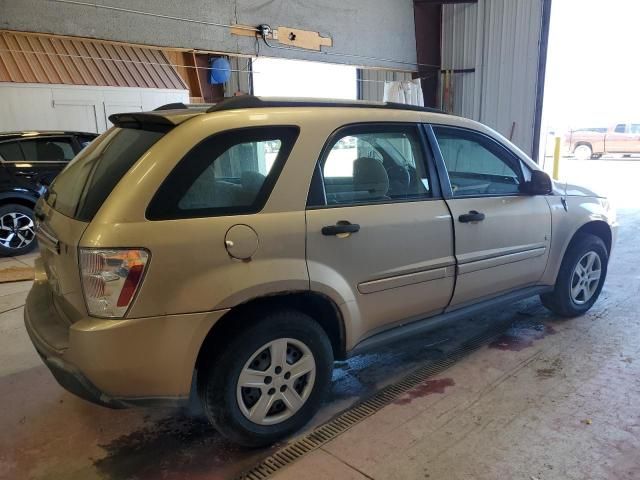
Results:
x,y
581,277
269,380
17,230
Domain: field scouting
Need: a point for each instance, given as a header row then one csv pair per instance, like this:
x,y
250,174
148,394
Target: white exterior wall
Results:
x,y
27,106
501,40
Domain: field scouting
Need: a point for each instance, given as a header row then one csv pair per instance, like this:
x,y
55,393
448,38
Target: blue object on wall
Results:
x,y
220,70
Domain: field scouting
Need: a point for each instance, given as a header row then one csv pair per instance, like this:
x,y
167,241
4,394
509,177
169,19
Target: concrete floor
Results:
x,y
547,399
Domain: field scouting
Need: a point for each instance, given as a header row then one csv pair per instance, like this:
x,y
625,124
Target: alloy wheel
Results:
x,y
586,278
276,381
17,230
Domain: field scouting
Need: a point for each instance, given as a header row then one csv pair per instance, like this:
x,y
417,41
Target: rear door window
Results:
x,y
375,163
82,187
10,152
228,173
48,149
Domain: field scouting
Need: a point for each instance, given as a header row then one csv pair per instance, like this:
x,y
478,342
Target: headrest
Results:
x,y
399,178
370,175
251,181
50,152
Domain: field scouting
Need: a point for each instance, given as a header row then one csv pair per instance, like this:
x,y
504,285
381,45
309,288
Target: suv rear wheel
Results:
x,y
17,230
268,381
581,277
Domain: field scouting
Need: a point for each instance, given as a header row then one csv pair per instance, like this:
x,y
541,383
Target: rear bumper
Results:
x,y
72,380
118,363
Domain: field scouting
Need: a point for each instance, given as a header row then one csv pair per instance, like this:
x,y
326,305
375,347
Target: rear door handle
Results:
x,y
342,227
472,216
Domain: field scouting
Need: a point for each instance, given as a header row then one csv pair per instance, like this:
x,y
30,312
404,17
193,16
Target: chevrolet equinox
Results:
x,y
242,247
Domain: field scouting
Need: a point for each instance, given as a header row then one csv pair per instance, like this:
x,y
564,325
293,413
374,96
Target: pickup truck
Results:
x,y
587,143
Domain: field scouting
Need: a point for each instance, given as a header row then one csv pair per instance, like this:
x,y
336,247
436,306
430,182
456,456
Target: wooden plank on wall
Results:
x,y
303,38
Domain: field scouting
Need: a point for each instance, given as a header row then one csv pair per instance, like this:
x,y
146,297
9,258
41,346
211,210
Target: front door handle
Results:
x,y
472,216
341,228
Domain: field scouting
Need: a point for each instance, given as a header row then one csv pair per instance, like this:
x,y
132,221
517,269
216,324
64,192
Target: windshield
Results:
x,y
82,187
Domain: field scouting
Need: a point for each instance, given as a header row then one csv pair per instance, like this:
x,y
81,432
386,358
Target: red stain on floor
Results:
x,y
426,388
519,337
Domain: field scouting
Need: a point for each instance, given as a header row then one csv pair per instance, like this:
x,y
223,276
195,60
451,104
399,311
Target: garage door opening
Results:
x,y
591,100
274,77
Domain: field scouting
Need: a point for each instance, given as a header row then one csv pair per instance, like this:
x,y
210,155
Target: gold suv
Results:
x,y
243,247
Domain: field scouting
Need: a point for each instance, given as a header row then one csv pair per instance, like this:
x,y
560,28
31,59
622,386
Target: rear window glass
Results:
x,y
228,173
82,187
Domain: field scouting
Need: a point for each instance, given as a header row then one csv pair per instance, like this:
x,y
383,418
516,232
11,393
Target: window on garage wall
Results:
x,y
296,78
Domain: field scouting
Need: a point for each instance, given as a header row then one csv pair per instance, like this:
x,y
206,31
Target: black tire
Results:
x,y
560,300
11,247
218,377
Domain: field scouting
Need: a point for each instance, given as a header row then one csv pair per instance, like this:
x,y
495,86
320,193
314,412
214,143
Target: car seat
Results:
x,y
370,179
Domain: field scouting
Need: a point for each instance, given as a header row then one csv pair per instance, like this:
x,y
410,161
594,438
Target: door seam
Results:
x,y
456,267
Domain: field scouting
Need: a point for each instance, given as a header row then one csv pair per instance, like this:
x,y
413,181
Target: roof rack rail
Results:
x,y
250,101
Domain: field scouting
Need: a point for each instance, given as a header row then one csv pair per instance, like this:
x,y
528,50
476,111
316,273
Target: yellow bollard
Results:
x,y
556,159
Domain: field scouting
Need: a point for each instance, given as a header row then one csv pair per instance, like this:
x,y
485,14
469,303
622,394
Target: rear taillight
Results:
x,y
111,278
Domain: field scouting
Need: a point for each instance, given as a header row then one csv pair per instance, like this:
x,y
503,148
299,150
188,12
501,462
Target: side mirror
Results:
x,y
540,184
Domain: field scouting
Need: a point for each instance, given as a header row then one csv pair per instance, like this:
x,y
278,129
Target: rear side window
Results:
x,y
621,128
82,187
374,163
228,173
48,149
10,152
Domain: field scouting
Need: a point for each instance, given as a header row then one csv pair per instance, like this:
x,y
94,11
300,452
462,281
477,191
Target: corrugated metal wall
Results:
x,y
371,82
500,39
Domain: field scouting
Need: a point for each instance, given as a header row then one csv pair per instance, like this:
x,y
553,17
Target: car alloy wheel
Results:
x,y
276,381
586,278
17,230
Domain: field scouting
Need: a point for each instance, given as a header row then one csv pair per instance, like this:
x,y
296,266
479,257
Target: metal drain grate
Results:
x,y
354,415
